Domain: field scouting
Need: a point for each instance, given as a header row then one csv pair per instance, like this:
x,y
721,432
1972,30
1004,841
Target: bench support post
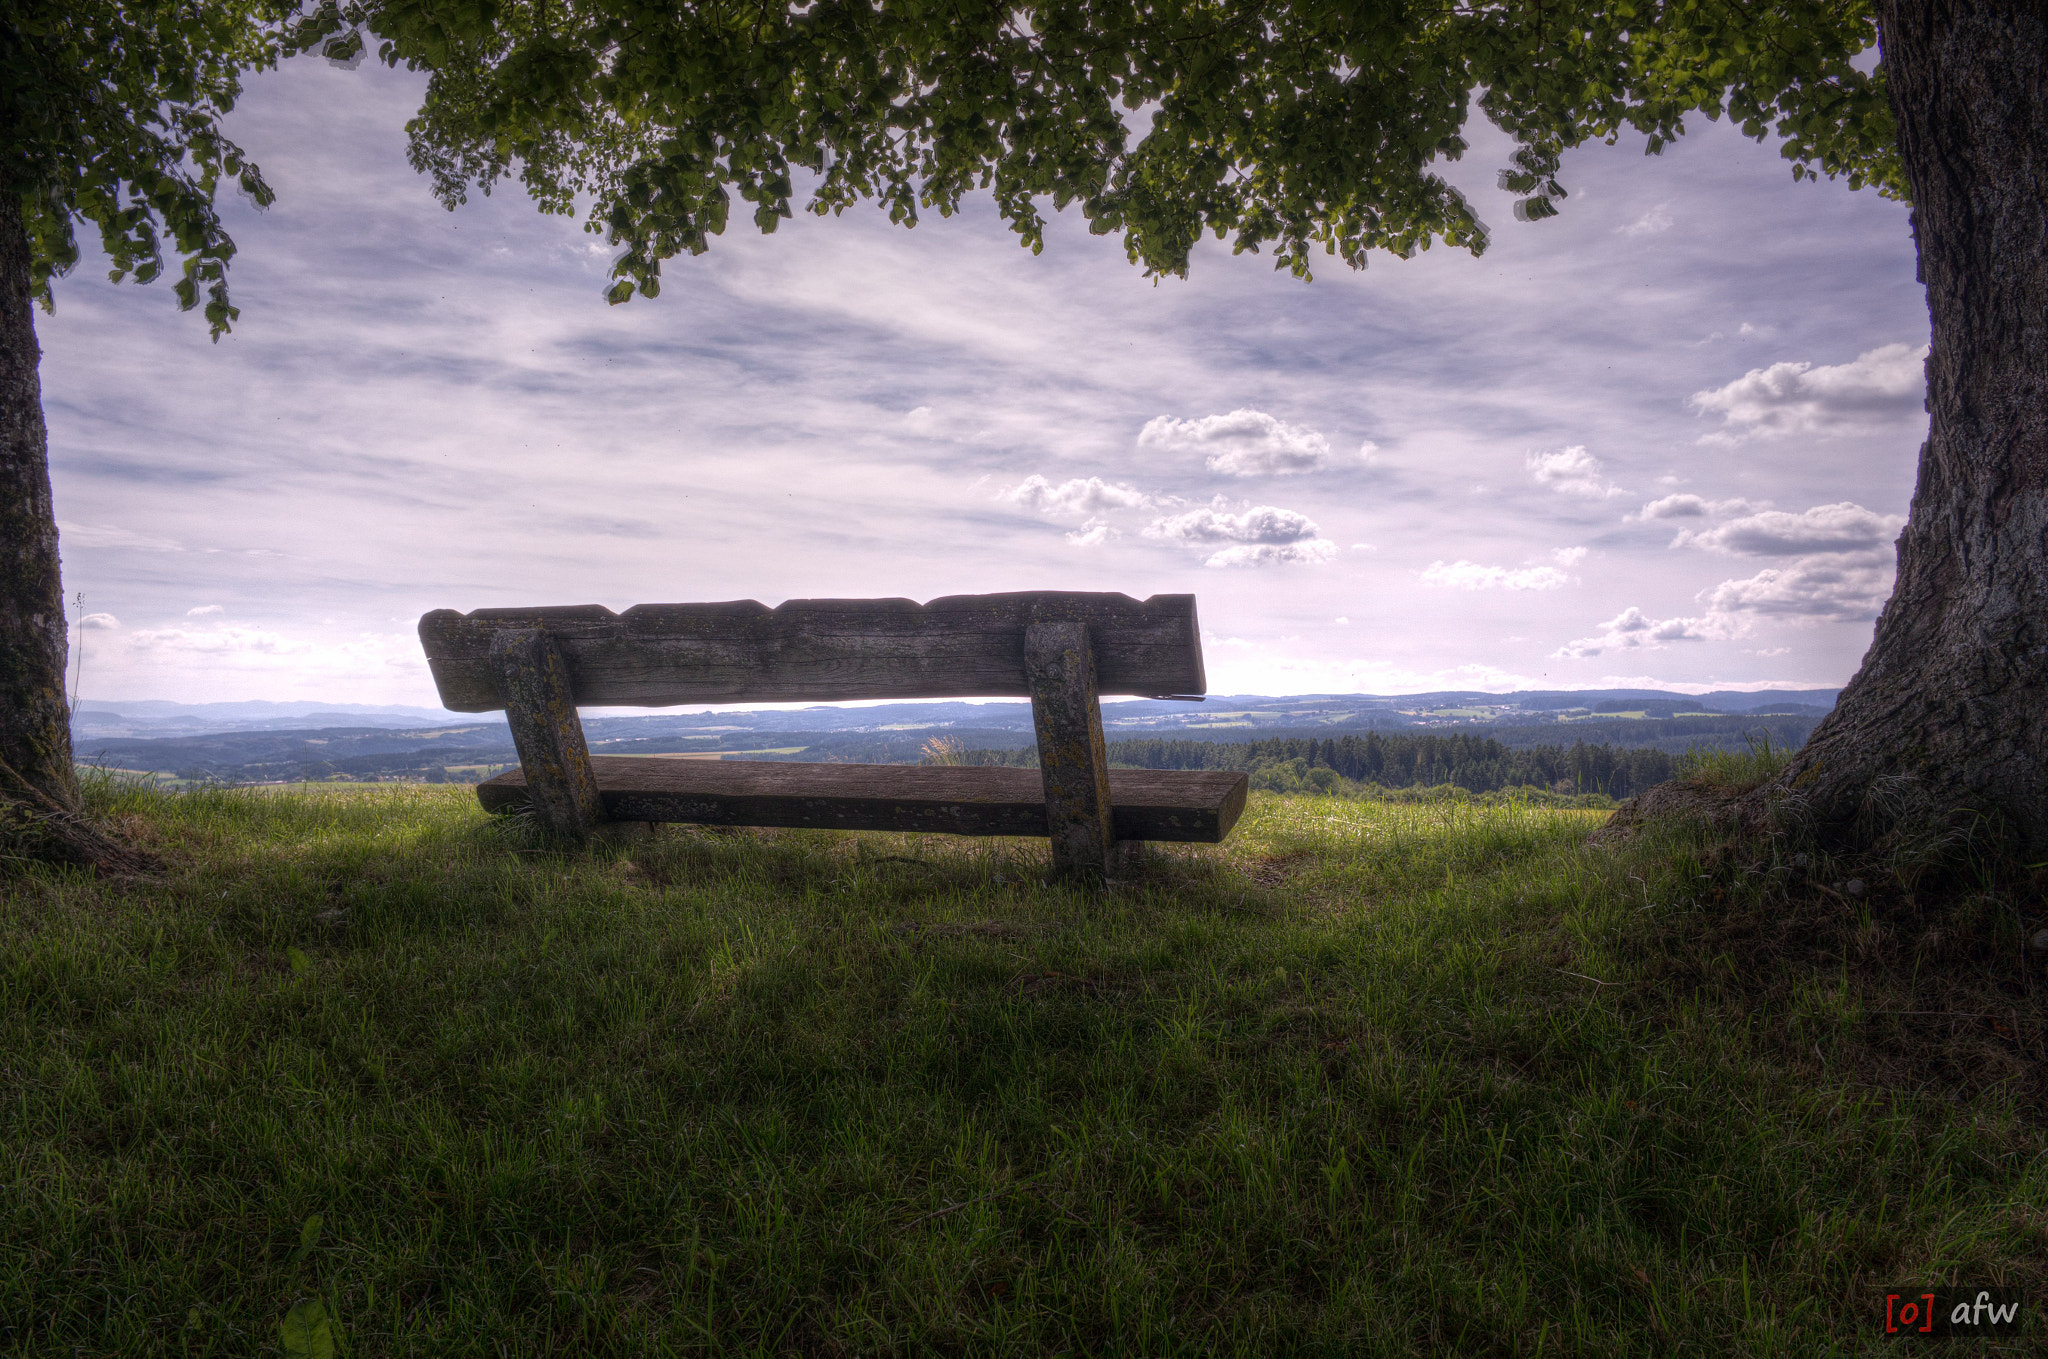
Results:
x,y
541,709
1059,665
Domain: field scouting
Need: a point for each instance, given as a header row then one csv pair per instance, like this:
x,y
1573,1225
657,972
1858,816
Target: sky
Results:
x,y
1665,439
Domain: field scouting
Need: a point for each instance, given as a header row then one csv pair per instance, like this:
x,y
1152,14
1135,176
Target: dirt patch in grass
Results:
x,y
1274,871
1044,983
968,929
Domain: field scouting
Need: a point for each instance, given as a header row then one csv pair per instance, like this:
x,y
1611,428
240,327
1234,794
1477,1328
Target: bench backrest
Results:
x,y
817,650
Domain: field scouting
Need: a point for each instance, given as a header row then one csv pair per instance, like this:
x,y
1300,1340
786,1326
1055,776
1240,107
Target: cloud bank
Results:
x,y
1249,443
1880,387
1079,497
1841,571
1813,589
1572,471
1464,575
1841,527
1683,506
1264,535
1632,629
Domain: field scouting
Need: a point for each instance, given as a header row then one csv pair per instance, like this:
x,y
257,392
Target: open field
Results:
x,y
1372,1078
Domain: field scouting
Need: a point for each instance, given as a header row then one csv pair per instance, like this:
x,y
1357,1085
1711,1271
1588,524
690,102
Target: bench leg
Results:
x,y
1059,664
541,709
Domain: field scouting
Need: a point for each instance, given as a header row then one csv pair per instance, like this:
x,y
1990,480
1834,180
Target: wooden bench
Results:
x,y
1059,649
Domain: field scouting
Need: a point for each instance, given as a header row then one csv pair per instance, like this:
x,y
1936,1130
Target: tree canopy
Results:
x,y
1283,126
110,115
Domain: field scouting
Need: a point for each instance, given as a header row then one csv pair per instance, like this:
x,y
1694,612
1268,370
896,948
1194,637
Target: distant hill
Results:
x,y
158,717
277,742
146,718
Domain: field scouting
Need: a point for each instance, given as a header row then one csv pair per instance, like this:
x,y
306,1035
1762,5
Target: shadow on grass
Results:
x,y
1369,1079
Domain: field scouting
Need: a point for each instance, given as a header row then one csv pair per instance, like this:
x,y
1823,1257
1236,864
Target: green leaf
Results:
x,y
1318,124
301,965
309,1236
308,1332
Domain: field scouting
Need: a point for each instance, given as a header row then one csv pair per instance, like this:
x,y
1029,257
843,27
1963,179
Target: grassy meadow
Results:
x,y
365,1072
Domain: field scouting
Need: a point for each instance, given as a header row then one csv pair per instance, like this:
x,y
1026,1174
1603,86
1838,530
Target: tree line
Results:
x,y
1478,764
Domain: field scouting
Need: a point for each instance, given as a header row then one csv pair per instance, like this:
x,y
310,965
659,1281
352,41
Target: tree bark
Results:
x,y
1946,724
35,721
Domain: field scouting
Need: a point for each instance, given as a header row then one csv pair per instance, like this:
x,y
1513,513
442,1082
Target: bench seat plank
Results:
x,y
1197,806
819,650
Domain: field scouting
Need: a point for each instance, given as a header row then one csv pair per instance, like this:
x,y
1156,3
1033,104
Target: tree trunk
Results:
x,y
35,721
1946,724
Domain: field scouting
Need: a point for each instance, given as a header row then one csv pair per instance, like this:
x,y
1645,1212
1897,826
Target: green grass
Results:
x,y
1372,1078
1735,770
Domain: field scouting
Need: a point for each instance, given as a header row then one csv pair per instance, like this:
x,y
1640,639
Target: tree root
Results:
x,y
36,828
1923,922
1894,825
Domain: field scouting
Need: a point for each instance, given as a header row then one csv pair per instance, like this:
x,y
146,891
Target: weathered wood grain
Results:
x,y
1073,763
815,650
542,714
1190,806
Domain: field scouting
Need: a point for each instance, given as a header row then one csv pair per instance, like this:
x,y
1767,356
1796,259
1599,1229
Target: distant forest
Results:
x,y
1478,764
1673,736
1613,758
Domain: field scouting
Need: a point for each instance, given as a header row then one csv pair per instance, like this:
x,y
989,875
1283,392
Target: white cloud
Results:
x,y
1313,552
1673,507
1841,527
1263,524
1249,443
1464,575
1815,589
1092,534
1572,471
1568,556
1880,387
204,610
1685,506
1081,496
1839,572
108,535
99,622
1632,629
1658,219
1263,535
253,660
1270,671
219,642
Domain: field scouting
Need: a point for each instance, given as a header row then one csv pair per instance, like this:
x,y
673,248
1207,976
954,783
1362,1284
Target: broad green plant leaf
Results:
x,y
308,1331
309,1236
